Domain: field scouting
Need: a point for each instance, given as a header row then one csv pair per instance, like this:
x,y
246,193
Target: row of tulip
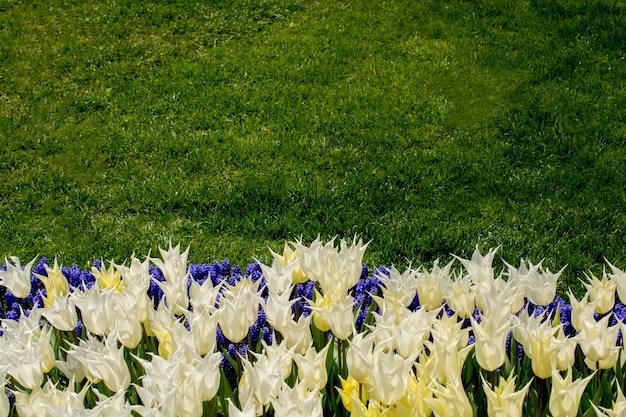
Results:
x,y
313,333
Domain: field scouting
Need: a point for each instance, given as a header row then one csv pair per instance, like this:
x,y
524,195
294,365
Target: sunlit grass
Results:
x,y
427,128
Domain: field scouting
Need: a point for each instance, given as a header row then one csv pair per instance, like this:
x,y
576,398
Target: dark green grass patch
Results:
x,y
425,127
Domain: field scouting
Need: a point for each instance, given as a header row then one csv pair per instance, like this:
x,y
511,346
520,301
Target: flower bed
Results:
x,y
314,333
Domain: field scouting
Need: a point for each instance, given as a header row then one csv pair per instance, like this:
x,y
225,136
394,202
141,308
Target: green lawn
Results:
x,y
427,127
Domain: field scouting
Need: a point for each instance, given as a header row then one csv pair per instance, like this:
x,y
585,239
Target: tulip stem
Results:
x,y
237,362
540,395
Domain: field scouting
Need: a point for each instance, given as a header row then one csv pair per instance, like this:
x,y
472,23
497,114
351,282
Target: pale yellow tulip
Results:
x,y
431,286
565,394
601,292
504,400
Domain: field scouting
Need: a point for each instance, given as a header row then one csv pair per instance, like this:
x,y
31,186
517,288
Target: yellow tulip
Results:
x,y
334,314
108,278
373,408
413,403
290,255
349,387
55,283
